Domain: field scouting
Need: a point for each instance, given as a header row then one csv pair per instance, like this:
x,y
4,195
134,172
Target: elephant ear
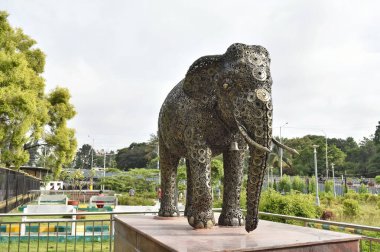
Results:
x,y
201,78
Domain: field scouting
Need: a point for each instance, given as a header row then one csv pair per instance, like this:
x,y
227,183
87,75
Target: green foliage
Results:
x,y
137,155
372,198
64,176
125,199
113,170
291,204
29,117
275,186
76,178
351,195
363,189
378,205
181,178
285,185
376,137
329,186
350,208
377,179
327,198
312,185
298,184
217,172
141,180
83,157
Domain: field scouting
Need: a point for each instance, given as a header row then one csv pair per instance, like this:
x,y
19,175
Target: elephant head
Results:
x,y
238,85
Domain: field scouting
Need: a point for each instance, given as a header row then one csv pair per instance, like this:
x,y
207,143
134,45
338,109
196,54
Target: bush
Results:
x,y
351,194
350,208
329,186
298,184
291,204
328,198
364,196
377,179
378,205
285,185
135,201
372,198
312,185
275,187
363,189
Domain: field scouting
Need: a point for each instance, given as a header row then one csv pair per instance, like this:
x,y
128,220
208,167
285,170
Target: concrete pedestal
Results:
x,y
146,233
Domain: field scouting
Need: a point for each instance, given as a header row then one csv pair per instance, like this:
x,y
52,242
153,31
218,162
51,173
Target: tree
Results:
x,y
137,155
304,163
76,179
29,117
83,157
376,138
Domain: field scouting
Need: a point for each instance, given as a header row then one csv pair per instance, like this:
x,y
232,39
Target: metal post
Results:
x,y
281,151
316,175
92,153
44,158
104,168
158,163
332,168
327,163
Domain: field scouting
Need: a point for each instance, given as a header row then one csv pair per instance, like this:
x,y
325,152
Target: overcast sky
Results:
x,y
120,59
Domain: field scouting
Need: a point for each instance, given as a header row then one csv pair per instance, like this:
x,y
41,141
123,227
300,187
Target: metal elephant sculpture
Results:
x,y
223,105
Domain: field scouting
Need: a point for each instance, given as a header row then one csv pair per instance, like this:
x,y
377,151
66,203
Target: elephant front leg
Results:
x,y
231,214
199,214
168,168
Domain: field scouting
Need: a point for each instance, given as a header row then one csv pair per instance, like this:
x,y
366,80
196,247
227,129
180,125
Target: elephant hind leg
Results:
x,y
168,168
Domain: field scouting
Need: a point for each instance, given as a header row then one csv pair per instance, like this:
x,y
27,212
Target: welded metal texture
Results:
x,y
223,101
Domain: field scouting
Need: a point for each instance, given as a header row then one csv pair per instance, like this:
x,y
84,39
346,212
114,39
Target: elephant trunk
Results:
x,y
256,171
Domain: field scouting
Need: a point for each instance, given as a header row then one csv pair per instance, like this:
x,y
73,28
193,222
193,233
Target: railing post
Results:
x,y
6,190
111,232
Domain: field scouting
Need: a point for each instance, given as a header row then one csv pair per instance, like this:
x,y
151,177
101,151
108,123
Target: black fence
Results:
x,y
15,189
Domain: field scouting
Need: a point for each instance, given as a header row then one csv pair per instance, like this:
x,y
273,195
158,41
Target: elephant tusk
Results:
x,y
291,150
250,141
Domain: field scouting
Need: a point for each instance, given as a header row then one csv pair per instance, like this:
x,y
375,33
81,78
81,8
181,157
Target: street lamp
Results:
x,y
332,168
104,153
158,162
316,175
92,151
281,152
327,163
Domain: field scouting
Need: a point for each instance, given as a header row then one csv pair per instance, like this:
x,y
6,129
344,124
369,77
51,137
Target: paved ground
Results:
x,y
154,208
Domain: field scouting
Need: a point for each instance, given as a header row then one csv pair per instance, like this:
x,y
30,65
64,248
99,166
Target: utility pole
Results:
x,y
332,168
327,162
281,151
104,167
316,175
92,153
158,162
